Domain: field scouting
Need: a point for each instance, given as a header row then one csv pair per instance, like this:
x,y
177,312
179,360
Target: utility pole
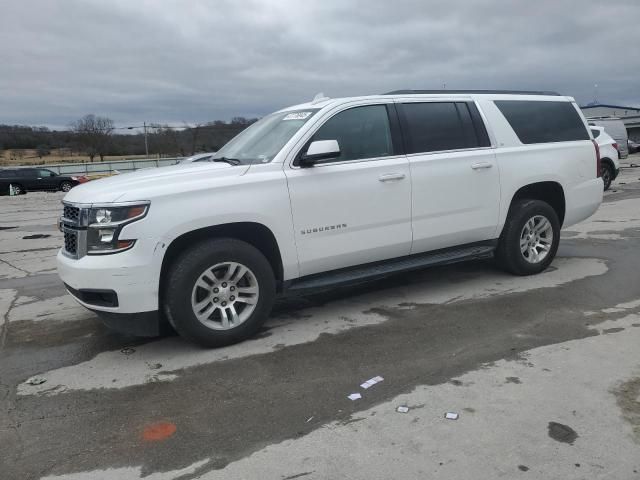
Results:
x,y
146,143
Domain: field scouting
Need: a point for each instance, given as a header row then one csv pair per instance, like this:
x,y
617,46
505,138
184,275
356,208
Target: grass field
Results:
x,y
30,157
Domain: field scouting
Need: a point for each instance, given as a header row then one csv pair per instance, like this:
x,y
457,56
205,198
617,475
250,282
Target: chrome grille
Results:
x,y
71,242
73,226
71,213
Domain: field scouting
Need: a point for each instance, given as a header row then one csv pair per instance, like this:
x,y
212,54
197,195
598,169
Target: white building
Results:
x,y
629,115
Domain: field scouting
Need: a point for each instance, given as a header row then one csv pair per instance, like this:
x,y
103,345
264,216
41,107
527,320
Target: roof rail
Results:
x,y
511,92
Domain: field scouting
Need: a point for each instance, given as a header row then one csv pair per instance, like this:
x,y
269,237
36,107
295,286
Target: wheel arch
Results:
x,y
608,161
255,234
550,192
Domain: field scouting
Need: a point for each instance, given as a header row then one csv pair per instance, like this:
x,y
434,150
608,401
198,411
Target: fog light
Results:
x,y
106,236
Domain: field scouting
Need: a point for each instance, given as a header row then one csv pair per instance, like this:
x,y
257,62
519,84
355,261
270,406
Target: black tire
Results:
x,y
66,186
186,270
508,254
606,172
18,189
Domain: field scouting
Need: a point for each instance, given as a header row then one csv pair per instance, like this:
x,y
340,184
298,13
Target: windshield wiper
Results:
x,y
230,161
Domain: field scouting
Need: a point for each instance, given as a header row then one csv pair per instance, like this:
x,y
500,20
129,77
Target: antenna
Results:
x,y
319,98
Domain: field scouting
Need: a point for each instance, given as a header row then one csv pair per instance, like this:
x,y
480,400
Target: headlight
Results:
x,y
105,225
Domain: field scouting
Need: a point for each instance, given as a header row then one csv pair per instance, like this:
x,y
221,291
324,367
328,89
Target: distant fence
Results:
x,y
102,168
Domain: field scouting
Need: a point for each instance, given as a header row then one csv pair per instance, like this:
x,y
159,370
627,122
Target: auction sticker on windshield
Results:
x,y
297,116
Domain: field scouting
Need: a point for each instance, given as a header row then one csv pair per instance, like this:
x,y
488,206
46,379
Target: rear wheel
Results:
x,y
66,186
606,172
18,189
219,292
530,238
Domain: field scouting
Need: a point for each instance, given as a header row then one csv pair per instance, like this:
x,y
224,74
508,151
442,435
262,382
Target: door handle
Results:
x,y
388,177
481,165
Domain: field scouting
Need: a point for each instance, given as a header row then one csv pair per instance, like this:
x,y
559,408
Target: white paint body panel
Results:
x,y
433,201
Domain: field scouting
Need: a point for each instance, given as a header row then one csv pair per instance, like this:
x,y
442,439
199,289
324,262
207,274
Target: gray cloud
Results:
x,y
181,61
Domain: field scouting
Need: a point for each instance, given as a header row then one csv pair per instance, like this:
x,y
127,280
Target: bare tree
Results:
x,y
164,139
94,134
42,151
194,132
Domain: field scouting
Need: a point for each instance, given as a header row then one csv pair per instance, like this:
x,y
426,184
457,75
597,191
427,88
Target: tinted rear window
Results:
x,y
7,173
543,122
436,126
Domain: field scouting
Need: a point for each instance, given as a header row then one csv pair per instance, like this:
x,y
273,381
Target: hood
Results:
x,y
151,182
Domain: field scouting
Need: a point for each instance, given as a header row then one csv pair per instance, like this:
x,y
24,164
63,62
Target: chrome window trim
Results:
x,y
457,150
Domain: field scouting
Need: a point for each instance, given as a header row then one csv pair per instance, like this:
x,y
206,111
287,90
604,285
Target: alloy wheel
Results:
x,y
536,239
225,295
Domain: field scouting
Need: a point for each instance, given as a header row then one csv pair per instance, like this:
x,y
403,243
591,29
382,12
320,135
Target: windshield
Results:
x,y
264,139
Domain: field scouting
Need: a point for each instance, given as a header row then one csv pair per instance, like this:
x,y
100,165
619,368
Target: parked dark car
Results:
x,y
634,147
36,179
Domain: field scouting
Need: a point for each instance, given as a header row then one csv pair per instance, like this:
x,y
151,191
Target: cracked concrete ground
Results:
x,y
543,371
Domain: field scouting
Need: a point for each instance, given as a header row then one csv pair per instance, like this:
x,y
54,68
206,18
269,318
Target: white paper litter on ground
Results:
x,y
354,396
451,416
371,382
402,409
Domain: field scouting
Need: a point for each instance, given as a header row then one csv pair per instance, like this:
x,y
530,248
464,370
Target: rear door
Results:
x,y
455,179
28,178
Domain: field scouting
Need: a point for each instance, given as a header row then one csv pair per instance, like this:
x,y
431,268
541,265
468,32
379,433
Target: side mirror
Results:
x,y
52,174
318,151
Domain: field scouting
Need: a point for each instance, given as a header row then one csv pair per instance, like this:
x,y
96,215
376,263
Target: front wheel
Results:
x,y
530,238
219,292
66,186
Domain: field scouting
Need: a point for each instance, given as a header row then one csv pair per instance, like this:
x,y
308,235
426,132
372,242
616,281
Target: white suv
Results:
x,y
328,193
609,155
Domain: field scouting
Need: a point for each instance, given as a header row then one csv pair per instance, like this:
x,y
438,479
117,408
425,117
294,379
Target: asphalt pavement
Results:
x,y
543,372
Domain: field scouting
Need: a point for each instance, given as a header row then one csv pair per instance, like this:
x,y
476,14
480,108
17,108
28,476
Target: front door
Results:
x,y
46,180
355,208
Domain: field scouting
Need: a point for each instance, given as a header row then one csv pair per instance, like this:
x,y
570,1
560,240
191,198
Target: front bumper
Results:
x,y
124,296
136,286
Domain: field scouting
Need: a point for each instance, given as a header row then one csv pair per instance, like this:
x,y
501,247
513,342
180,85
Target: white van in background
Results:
x,y
616,129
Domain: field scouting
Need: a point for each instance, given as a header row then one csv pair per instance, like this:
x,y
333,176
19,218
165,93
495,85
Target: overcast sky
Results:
x,y
176,61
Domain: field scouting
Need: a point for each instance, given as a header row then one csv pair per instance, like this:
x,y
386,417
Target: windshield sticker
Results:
x,y
297,116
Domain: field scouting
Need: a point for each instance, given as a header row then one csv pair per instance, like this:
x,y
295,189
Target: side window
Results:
x,y
44,173
7,174
361,132
543,121
437,126
28,172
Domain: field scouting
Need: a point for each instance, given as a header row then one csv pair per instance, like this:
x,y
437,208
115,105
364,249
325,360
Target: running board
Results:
x,y
377,270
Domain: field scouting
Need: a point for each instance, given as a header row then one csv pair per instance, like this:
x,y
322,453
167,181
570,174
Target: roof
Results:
x,y
495,92
599,105
325,101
